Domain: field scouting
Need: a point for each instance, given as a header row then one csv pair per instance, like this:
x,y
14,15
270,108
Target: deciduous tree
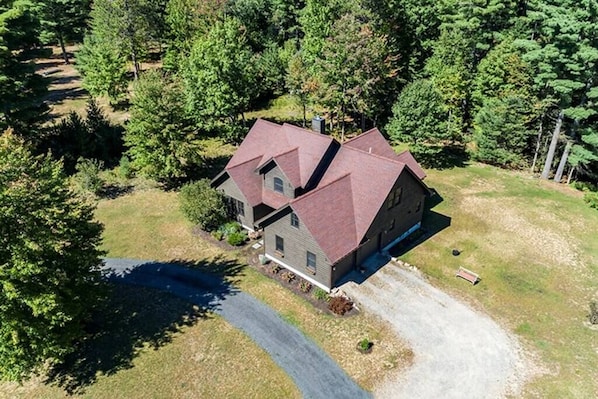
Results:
x,y
420,119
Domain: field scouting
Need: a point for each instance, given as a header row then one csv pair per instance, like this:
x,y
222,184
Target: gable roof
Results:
x,y
340,210
339,215
373,142
278,142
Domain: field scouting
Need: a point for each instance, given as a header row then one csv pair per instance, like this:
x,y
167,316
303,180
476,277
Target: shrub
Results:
x,y
237,238
288,276
125,170
203,205
591,199
593,316
340,305
275,268
305,286
320,294
229,228
88,177
364,345
217,234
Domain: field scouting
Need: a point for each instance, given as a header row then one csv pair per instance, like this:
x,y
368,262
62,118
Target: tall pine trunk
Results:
x,y
65,56
559,171
538,142
553,143
570,175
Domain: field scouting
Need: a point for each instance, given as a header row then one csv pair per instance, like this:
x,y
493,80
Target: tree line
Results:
x,y
507,82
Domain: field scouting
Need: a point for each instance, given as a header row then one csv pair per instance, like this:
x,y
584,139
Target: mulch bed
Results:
x,y
253,261
293,286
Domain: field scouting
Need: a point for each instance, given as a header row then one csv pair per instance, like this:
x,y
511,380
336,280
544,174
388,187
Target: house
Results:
x,y
324,207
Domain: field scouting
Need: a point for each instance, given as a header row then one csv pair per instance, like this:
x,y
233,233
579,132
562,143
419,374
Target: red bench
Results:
x,y
468,275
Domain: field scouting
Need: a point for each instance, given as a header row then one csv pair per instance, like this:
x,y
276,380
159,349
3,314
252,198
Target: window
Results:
x,y
235,207
278,185
419,206
394,198
392,225
311,262
398,194
239,207
294,220
280,245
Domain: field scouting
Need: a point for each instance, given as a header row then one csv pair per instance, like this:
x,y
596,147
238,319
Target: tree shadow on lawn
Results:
x,y
146,306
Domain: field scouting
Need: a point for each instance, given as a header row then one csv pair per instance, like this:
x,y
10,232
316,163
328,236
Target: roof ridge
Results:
x,y
244,162
306,130
363,134
377,156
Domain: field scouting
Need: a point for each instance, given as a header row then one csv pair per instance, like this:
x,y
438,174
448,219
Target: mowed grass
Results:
x,y
535,246
149,225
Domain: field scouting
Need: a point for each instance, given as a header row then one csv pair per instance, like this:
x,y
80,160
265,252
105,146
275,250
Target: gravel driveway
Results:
x,y
313,371
459,352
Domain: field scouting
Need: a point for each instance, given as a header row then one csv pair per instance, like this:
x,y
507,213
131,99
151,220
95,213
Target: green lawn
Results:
x,y
535,245
147,224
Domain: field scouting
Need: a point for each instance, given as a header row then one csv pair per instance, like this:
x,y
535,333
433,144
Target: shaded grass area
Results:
x,y
149,344
535,246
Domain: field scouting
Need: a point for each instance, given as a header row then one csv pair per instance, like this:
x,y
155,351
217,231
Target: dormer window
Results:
x,y
278,187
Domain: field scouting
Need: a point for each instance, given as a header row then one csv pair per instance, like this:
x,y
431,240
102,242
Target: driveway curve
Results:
x,y
313,371
459,352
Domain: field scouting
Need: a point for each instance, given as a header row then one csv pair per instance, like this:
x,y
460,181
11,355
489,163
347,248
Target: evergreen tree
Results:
x,y
501,131
161,143
563,49
504,107
21,89
63,20
49,262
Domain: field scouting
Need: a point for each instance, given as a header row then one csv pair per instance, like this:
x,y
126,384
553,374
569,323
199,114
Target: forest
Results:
x,y
504,82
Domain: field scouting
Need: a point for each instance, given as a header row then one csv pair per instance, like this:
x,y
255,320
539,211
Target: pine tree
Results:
x,y
63,20
49,260
160,140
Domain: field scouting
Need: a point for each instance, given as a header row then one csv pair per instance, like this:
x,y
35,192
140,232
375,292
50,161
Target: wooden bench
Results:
x,y
468,275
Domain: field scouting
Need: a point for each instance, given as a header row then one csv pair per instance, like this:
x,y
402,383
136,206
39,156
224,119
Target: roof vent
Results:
x,y
318,125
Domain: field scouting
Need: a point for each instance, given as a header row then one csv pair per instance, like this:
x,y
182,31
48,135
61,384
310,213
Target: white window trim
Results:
x,y
302,275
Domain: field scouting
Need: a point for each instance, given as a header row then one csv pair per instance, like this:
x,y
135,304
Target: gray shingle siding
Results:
x,y
405,214
297,241
232,190
271,173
